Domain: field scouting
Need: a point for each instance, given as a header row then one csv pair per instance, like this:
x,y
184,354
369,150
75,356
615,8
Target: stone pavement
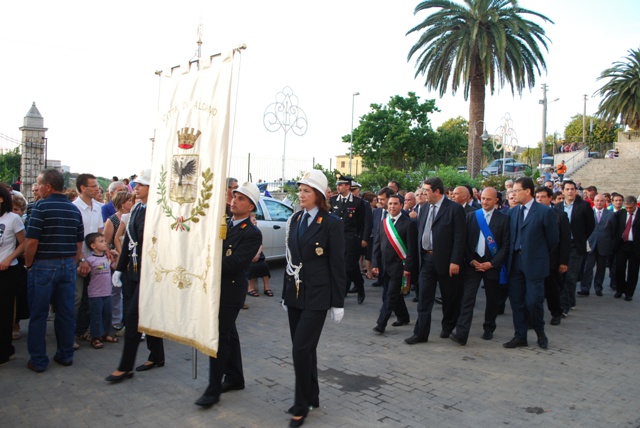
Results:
x,y
587,378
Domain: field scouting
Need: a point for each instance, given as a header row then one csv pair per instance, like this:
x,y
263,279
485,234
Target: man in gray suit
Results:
x,y
600,245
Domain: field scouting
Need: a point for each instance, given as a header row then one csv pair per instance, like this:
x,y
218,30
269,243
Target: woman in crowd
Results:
x,y
22,302
122,202
313,284
11,247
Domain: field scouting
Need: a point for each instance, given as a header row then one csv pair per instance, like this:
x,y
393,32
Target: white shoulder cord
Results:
x,y
292,269
133,244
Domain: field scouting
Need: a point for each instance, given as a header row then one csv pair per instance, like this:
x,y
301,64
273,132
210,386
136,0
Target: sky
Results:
x,y
89,67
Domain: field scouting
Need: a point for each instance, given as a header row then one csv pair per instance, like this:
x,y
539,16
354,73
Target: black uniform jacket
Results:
x,y
323,273
241,245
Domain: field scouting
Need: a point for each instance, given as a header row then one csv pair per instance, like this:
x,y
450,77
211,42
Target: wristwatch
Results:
x,y
82,260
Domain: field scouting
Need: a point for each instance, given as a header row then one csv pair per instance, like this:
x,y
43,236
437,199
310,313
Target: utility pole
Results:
x,y
544,118
584,122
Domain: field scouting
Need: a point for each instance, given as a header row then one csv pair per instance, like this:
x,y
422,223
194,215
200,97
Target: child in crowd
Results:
x,y
258,269
99,290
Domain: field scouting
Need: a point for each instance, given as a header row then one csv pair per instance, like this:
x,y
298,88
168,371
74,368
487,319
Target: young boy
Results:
x,y
99,290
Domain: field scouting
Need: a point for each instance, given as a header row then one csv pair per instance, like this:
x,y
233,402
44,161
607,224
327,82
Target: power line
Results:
x,y
10,139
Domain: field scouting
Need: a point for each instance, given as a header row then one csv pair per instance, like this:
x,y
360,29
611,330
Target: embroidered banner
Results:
x,y
180,276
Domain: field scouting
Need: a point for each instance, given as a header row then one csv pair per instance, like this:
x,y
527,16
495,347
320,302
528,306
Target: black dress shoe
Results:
x,y
458,339
62,362
226,387
294,423
515,343
445,334
438,300
628,299
353,290
399,323
360,298
617,295
413,340
599,293
123,376
555,320
583,293
487,335
543,341
378,328
145,367
207,400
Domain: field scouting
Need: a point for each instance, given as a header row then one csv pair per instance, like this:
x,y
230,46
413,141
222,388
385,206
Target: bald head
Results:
x,y
461,195
489,198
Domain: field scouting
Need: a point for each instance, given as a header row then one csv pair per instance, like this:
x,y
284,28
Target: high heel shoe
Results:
x,y
118,378
145,366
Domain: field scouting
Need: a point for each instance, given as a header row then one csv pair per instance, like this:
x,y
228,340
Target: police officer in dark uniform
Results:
x,y
351,210
240,246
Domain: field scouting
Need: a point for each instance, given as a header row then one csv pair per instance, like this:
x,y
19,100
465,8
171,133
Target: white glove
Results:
x,y
337,314
115,279
284,306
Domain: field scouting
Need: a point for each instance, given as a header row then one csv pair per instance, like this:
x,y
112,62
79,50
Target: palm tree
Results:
x,y
480,43
621,94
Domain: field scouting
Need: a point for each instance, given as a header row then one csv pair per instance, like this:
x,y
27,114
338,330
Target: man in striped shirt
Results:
x,y
53,248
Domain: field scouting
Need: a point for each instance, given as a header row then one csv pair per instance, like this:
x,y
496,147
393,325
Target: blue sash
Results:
x,y
491,243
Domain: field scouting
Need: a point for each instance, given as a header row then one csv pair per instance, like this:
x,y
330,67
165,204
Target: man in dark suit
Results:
x,y
627,248
462,196
441,239
534,233
600,247
558,257
240,246
393,258
582,223
365,252
351,210
379,214
482,263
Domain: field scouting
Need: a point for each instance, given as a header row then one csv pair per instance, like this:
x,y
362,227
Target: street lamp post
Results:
x,y
353,100
508,138
484,137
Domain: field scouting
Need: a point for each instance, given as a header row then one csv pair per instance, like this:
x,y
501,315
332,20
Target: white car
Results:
x,y
272,215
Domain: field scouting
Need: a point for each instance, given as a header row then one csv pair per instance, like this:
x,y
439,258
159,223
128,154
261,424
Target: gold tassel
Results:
x,y
223,228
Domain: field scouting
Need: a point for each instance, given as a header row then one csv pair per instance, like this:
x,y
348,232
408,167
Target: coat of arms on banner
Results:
x,y
183,184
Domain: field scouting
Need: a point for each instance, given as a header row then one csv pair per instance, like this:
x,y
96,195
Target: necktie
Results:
x,y
427,242
627,228
384,215
599,216
304,224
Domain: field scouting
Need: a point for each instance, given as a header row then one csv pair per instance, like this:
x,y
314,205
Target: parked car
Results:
x,y
545,163
517,170
495,167
272,215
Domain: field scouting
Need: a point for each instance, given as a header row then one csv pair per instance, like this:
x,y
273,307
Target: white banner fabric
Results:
x,y
182,253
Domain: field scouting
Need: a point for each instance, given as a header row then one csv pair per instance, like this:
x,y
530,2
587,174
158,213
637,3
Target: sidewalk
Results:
x,y
587,378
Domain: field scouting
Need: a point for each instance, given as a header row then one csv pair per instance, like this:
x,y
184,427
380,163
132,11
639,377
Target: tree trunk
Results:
x,y
476,122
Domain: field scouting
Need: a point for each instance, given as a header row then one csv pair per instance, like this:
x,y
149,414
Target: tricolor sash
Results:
x,y
394,238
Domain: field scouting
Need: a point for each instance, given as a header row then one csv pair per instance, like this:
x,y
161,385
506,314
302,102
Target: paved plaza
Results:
x,y
587,378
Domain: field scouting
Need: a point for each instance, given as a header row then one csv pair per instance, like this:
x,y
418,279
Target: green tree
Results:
x,y
598,132
478,44
10,166
398,135
450,147
621,94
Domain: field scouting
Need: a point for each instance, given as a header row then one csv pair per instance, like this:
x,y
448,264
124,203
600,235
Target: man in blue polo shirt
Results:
x,y
53,247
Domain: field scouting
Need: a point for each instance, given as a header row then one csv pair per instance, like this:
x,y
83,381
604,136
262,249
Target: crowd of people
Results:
x,y
79,256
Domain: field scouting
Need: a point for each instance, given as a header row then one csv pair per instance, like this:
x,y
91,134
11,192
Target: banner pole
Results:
x,y
194,364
